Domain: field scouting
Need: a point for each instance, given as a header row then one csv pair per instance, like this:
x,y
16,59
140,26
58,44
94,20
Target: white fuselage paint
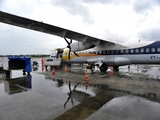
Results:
x,y
120,59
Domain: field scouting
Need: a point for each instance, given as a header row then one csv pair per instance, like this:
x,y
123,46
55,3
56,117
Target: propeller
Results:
x,y
76,54
68,46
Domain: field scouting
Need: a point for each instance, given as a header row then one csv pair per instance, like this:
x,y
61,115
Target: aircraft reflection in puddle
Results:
x,y
18,85
89,90
70,94
79,91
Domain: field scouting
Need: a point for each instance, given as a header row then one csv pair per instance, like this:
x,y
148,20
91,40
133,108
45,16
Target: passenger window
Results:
x,y
131,50
158,49
153,50
122,51
108,52
112,51
142,50
137,50
147,49
126,50
117,51
104,52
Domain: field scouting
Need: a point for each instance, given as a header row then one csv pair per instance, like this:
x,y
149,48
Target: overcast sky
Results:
x,y
119,21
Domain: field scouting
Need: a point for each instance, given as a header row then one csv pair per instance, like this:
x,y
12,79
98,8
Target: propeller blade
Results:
x,y
67,41
68,46
69,54
76,54
70,41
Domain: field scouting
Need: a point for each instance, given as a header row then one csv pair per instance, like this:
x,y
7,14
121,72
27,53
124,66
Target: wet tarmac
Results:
x,y
130,94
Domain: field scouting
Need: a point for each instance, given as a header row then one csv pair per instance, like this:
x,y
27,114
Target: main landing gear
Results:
x,y
116,68
103,67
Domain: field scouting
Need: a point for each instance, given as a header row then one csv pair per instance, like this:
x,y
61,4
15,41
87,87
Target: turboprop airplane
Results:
x,y
89,49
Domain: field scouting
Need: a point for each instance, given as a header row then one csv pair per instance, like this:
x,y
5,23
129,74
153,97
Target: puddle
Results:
x,y
128,108
50,96
42,97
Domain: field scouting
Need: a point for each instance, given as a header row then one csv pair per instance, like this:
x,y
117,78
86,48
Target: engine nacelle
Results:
x,y
78,46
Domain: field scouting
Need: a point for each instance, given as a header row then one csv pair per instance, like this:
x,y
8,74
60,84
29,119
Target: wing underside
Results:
x,y
49,29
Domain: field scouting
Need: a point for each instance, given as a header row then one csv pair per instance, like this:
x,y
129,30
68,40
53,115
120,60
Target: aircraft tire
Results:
x,y
103,67
116,68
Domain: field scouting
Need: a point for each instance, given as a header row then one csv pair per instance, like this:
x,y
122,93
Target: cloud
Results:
x,y
140,7
1,2
16,40
114,37
143,6
150,34
112,20
76,8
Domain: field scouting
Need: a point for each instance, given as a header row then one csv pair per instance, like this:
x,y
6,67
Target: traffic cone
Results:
x,y
53,72
65,68
86,76
111,72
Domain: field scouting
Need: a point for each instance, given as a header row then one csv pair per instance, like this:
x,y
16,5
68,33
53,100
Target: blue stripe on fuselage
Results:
x,y
155,45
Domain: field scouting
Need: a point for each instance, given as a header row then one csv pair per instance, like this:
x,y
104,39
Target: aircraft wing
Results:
x,y
49,29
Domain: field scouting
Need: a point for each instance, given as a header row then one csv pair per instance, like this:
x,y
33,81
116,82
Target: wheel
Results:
x,y
46,67
24,72
116,68
103,67
51,67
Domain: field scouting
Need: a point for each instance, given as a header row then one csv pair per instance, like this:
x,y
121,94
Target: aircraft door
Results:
x,y
59,53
